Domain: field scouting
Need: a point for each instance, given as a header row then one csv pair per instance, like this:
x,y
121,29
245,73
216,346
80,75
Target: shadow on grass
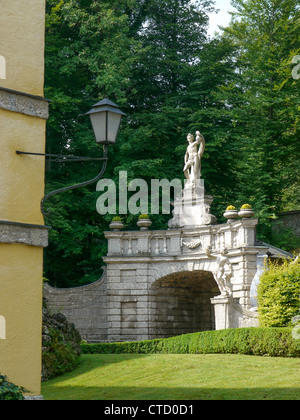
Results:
x,y
86,363
176,394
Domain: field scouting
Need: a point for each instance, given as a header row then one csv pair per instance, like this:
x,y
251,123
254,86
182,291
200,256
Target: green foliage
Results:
x,y
143,216
117,219
272,342
89,54
10,391
279,294
264,101
61,344
59,359
283,237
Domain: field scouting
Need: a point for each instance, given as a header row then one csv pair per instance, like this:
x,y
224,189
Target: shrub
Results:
x,y
143,216
10,391
246,207
58,360
231,208
117,219
61,345
252,341
279,294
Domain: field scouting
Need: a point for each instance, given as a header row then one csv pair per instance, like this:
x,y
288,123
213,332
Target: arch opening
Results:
x,y
180,304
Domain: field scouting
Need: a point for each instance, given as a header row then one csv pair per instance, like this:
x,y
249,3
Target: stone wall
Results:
x,y
290,219
85,306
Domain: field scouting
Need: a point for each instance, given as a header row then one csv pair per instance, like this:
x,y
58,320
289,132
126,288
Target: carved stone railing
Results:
x,y
182,241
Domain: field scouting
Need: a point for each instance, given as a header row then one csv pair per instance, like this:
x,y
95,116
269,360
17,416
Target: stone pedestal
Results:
x,y
223,316
230,314
193,207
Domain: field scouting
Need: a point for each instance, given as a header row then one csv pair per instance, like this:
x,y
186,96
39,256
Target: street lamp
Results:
x,y
105,119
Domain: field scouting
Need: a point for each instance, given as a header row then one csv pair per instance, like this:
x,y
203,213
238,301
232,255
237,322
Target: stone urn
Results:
x,y
246,212
116,225
231,214
144,223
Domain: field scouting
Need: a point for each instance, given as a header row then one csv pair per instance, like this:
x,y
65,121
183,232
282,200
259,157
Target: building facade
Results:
x,y
23,115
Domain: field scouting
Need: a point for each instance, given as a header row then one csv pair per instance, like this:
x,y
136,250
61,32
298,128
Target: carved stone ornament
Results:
x,y
192,245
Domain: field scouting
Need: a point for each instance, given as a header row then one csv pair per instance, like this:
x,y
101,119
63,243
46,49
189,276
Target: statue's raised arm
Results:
x,y
201,141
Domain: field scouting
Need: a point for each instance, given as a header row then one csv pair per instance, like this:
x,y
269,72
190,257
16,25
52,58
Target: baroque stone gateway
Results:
x,y
197,275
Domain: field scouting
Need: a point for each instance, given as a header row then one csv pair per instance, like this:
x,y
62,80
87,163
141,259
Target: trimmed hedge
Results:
x,y
275,342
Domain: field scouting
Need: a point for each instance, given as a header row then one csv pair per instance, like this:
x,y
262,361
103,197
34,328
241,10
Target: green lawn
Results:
x,y
177,377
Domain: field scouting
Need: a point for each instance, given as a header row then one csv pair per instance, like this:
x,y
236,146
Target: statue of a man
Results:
x,y
222,275
192,160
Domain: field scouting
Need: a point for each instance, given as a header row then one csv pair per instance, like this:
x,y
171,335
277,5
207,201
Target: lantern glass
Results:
x,y
113,125
106,119
98,122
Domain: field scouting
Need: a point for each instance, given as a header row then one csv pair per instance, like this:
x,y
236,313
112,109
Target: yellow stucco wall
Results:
x,y
21,305
22,26
22,44
21,176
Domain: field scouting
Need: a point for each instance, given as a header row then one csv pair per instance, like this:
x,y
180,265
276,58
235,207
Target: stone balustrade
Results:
x,y
182,241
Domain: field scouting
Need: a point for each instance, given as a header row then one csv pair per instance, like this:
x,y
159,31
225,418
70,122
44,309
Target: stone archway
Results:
x,y
180,303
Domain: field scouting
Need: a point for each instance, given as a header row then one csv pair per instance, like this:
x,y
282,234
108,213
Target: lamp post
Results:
x,y
105,119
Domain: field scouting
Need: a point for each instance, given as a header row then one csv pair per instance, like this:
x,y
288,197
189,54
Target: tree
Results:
x,y
175,87
264,103
80,69
141,54
211,110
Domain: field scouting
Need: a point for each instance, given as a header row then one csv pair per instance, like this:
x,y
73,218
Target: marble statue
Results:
x,y
192,160
192,207
222,275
